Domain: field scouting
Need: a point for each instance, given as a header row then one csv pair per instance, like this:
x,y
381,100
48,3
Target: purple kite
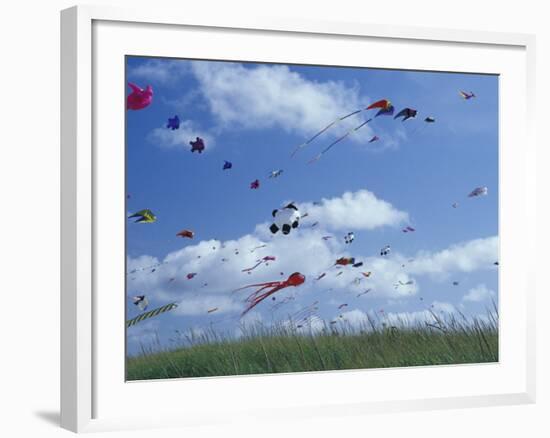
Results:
x,y
173,123
407,113
197,145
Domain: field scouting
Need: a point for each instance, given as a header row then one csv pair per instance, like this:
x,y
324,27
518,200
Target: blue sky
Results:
x,y
255,115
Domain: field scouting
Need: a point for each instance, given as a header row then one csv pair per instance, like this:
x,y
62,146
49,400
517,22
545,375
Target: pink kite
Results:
x,y
191,275
295,279
139,98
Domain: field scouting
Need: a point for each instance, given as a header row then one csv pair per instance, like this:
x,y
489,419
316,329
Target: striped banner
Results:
x,y
150,314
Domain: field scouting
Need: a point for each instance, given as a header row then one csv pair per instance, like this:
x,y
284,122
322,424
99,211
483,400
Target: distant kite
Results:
x,y
145,216
478,191
141,302
227,165
408,229
467,96
373,139
385,251
139,98
350,237
173,123
197,145
407,113
191,275
429,120
186,233
275,173
344,261
255,184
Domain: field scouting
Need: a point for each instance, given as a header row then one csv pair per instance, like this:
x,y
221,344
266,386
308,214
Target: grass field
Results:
x,y
280,349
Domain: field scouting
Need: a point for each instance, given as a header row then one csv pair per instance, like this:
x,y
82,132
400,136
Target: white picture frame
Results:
x,y
91,387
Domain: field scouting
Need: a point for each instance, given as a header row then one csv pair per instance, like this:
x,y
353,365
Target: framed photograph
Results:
x,y
258,208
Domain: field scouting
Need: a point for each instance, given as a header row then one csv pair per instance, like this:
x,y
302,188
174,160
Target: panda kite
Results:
x,y
285,219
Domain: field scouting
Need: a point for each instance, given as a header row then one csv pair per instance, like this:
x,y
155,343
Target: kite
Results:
x,y
478,191
344,261
144,216
341,306
407,113
385,251
264,260
400,283
496,263
173,123
339,273
408,229
285,219
366,274
455,283
454,205
384,103
197,145
141,301
339,119
326,237
275,173
357,265
227,165
351,131
212,310
321,276
295,279
385,111
191,275
363,293
373,139
151,314
429,120
139,98
186,233
467,96
255,184
350,237
305,313
314,224
257,247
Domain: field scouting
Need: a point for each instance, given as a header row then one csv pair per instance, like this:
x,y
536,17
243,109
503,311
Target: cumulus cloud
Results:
x,y
479,293
462,257
180,138
360,210
274,96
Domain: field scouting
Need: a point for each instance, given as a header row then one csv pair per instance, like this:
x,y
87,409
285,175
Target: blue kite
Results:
x,y
173,123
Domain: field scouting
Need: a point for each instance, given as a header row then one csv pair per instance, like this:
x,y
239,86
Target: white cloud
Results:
x,y
180,138
219,265
360,210
463,257
274,96
478,294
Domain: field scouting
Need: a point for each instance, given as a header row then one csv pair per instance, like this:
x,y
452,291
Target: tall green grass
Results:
x,y
282,348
